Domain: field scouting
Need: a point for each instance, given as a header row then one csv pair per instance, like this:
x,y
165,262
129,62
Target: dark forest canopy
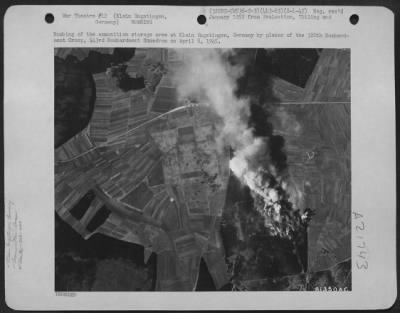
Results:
x,y
75,91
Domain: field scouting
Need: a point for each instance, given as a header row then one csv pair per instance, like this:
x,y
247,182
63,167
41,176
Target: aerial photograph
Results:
x,y
202,169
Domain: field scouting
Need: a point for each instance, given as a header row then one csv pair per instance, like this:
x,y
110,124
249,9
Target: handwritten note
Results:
x,y
362,251
13,237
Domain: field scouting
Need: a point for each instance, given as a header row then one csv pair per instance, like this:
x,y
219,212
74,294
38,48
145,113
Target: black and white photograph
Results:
x,y
202,169
233,157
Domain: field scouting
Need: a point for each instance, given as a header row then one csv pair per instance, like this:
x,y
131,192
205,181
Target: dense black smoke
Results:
x,y
255,84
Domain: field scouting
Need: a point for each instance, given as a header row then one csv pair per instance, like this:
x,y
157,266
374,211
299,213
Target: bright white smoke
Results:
x,y
208,75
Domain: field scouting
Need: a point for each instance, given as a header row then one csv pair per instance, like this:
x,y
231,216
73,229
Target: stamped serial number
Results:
x,y
330,288
65,294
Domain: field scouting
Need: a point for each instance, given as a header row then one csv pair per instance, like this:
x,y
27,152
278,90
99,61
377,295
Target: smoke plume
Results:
x,y
208,75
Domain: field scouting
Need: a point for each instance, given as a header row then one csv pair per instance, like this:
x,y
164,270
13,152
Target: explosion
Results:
x,y
208,75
